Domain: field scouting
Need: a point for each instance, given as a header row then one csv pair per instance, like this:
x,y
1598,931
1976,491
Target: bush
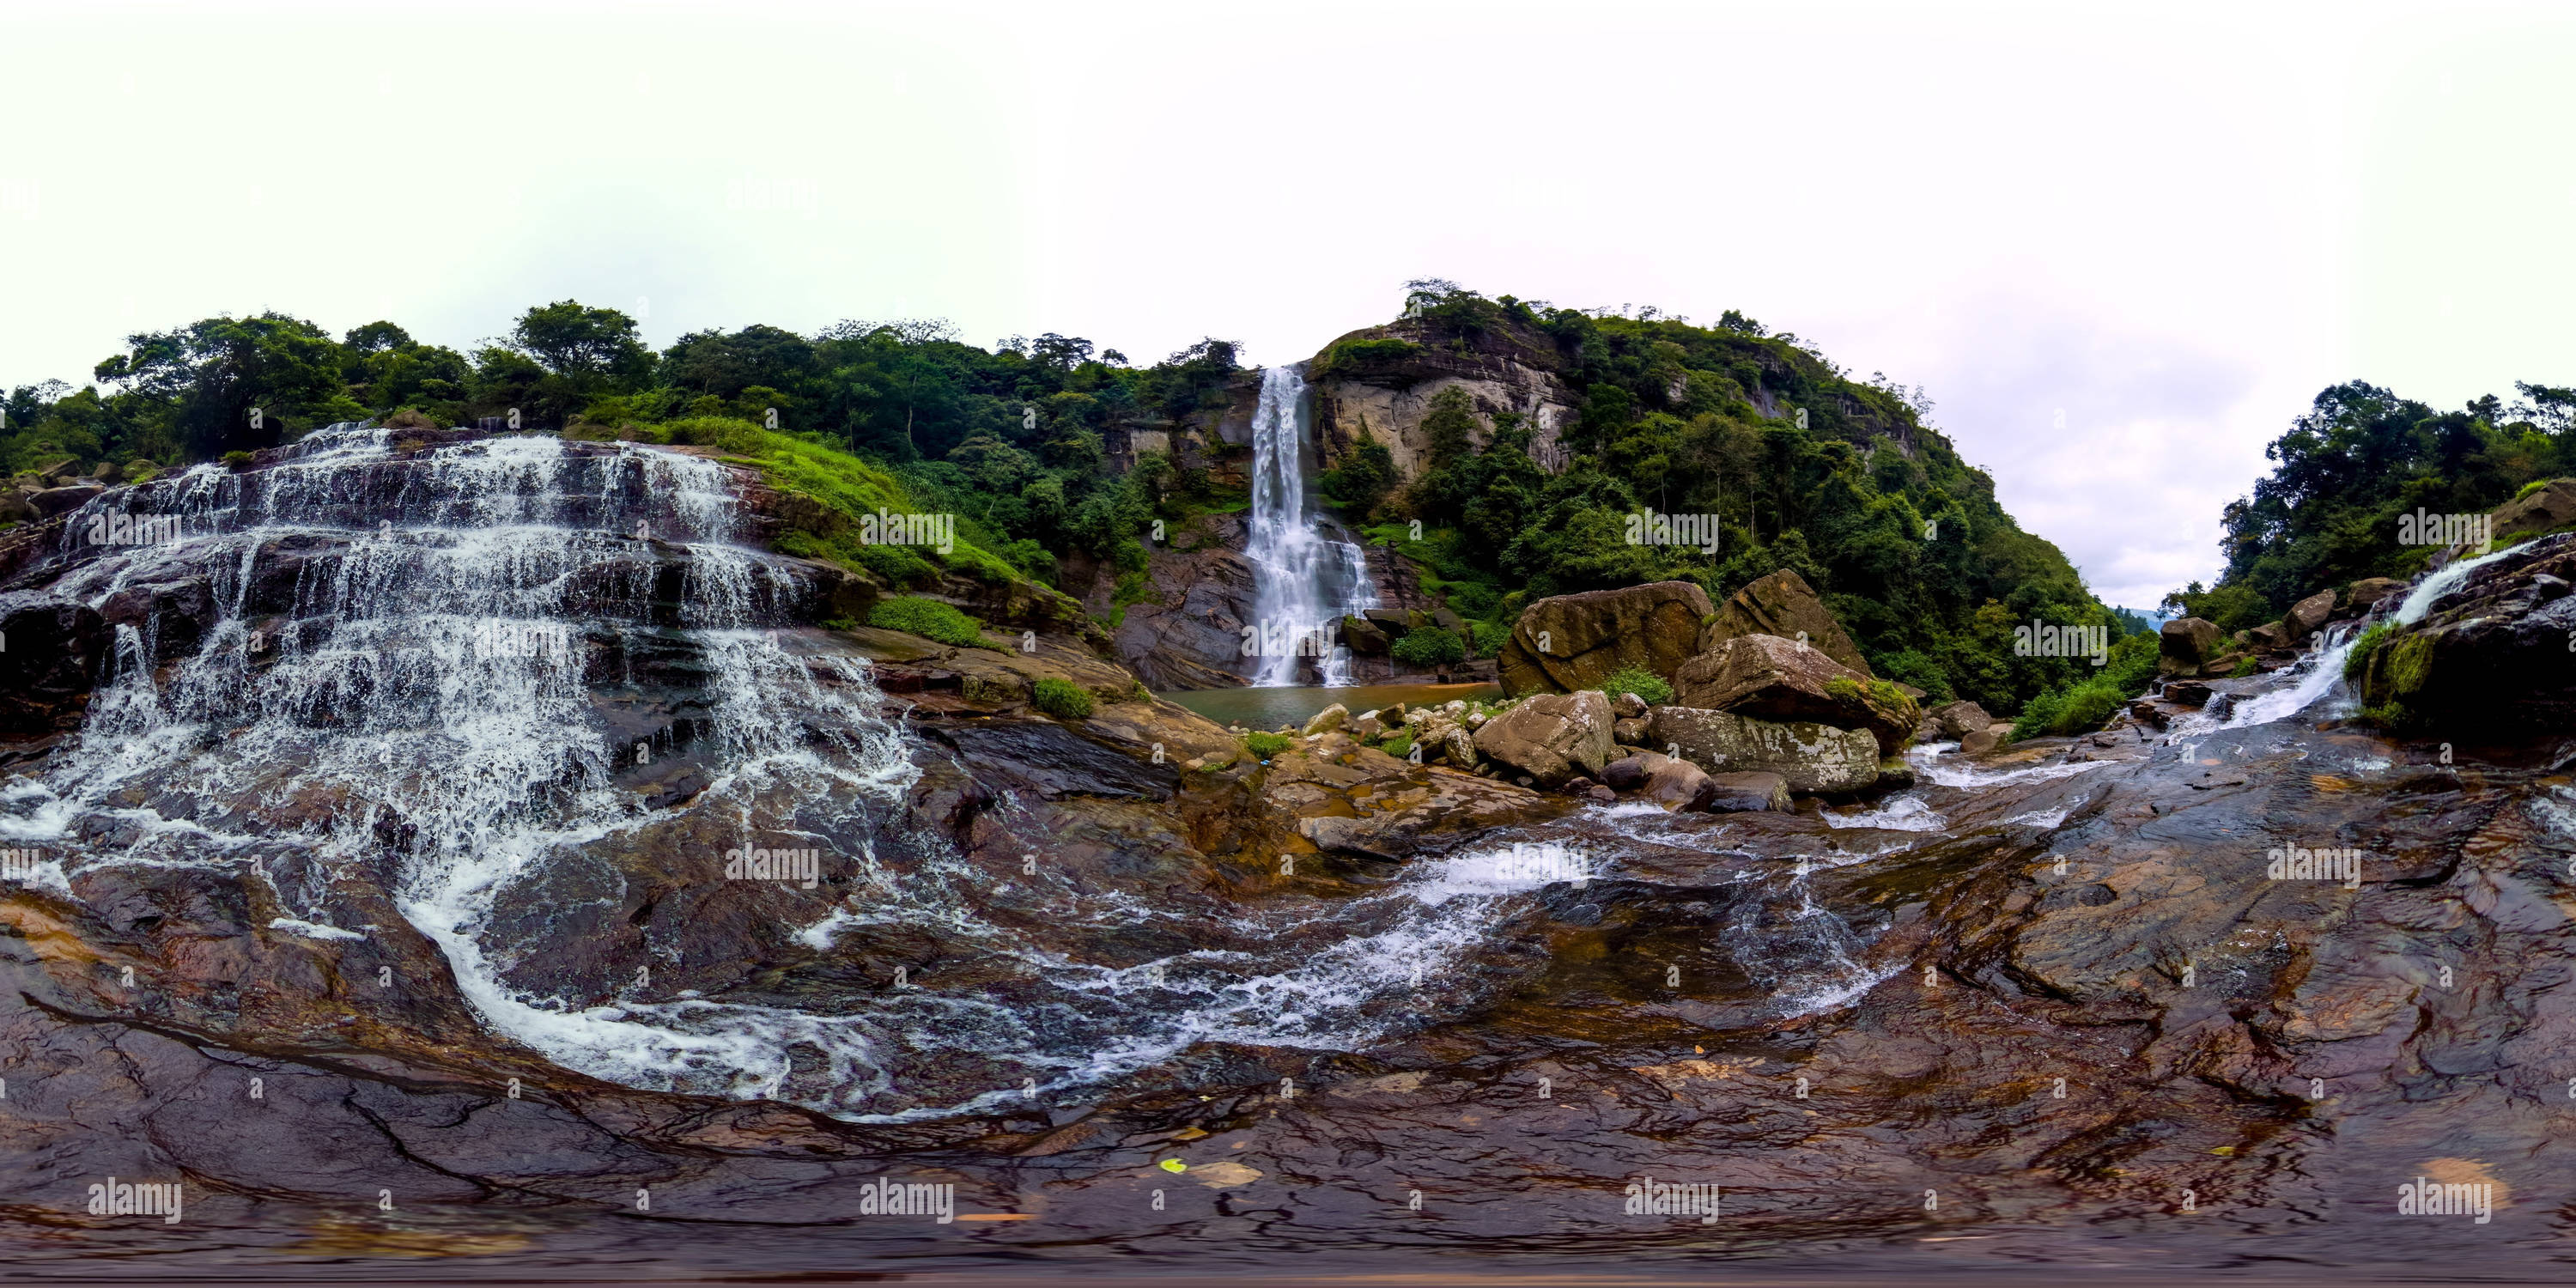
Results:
x,y
1398,746
1061,699
1429,647
1488,638
237,460
928,618
1266,745
1637,680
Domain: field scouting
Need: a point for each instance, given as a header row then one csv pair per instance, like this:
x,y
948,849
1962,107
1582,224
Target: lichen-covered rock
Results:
x,y
1782,604
1771,678
1328,719
1568,643
1812,758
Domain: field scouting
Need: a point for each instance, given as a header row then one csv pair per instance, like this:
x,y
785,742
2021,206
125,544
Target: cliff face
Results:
x,y
1380,381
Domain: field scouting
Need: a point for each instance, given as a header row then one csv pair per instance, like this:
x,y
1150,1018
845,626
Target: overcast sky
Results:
x,y
2120,250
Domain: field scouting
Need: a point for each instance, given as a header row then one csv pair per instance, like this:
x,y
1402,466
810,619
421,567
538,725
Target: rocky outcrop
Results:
x,y
1378,384
2553,505
1552,737
50,653
1782,604
1956,720
1567,643
2366,594
1189,633
2490,656
2186,644
1811,758
1786,681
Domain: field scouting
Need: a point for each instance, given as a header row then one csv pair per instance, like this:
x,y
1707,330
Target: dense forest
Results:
x,y
1840,479
2349,467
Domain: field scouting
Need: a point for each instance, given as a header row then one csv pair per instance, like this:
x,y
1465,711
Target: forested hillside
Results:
x,y
1804,467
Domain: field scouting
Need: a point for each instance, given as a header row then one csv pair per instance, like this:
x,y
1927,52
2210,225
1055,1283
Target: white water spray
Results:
x,y
1304,580
2325,669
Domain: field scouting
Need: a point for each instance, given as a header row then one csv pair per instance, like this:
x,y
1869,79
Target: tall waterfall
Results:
x,y
1306,579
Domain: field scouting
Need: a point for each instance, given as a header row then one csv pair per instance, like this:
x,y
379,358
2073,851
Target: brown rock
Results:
x,y
2184,644
2268,636
1783,605
1748,792
1551,736
1567,643
1628,706
2307,615
2189,693
1365,637
1625,774
1982,741
1602,795
1678,784
1630,731
2553,505
1957,719
62,500
2366,593
1783,680
1815,758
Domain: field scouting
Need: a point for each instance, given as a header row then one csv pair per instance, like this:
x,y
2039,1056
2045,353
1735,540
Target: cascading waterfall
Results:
x,y
1306,579
2325,668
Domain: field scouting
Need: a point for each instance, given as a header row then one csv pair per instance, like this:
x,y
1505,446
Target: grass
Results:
x,y
1061,699
1637,680
929,619
1266,745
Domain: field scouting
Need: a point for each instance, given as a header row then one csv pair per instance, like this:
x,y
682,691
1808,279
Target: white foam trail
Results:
x,y
1899,814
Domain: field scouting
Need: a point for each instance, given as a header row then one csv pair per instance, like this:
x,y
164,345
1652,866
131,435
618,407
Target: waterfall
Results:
x,y
2325,667
1305,580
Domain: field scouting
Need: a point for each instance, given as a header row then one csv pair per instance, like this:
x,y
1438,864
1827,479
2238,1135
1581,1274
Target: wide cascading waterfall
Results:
x,y
2324,673
472,662
1307,579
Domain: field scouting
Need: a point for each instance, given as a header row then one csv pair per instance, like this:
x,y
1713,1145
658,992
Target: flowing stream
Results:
x,y
1307,579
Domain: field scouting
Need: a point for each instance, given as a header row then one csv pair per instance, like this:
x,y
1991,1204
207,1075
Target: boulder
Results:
x,y
1550,737
1783,605
2270,635
2222,666
1630,731
1368,728
2187,693
2366,593
1813,758
53,654
14,507
1747,793
58,473
1771,678
2552,505
2307,615
1895,774
1628,706
1365,637
63,500
1567,643
1983,741
1957,719
2185,644
1328,719
1448,621
1679,785
1624,774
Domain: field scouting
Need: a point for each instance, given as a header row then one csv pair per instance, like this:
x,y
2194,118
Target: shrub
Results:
x,y
927,618
237,460
1488,638
1637,680
1266,745
1429,647
1397,746
1061,699
2244,668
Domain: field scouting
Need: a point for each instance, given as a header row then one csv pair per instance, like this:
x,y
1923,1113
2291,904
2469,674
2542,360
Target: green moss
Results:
x,y
929,619
1061,699
2357,662
2245,668
1637,680
1398,746
1889,696
1429,647
2531,487
1266,745
1844,689
237,460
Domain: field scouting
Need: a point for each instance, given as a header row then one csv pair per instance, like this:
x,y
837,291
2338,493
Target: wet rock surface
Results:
x,y
2193,1001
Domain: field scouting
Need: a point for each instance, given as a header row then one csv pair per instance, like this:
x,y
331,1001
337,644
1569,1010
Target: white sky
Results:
x,y
2174,224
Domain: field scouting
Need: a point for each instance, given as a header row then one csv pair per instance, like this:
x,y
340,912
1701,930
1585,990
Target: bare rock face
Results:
x,y
53,650
1779,679
2307,615
1782,604
1813,758
1190,634
2551,506
1378,385
2186,644
1568,643
1551,737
